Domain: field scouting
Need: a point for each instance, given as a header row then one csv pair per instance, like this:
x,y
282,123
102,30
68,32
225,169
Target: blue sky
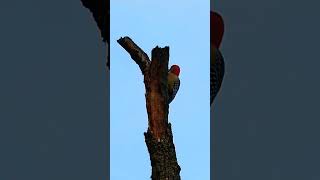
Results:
x,y
184,27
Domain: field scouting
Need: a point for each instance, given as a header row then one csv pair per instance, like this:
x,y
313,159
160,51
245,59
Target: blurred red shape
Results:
x,y
216,29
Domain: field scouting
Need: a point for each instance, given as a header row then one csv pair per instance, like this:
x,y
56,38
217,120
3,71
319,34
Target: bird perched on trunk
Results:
x,y
216,58
173,82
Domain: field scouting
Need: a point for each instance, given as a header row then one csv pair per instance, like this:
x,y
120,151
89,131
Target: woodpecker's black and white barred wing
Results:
x,y
172,94
217,69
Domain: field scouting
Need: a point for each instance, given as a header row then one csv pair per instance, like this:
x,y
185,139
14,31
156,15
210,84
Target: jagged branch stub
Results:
x,y
136,53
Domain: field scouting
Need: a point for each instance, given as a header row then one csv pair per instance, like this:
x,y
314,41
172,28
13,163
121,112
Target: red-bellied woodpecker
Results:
x,y
173,82
216,72
216,29
216,59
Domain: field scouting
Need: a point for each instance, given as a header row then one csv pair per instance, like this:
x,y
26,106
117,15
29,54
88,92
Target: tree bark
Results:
x,y
158,138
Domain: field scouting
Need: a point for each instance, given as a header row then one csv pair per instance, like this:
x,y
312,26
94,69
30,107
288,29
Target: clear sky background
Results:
x,y
184,27
266,121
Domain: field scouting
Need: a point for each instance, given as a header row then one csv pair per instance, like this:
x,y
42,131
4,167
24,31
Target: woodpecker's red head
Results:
x,y
175,69
216,28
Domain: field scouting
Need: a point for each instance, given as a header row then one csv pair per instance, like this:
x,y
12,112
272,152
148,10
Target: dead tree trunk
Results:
x,y
158,137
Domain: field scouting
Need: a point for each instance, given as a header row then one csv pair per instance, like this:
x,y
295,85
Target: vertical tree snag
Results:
x,y
158,138
156,92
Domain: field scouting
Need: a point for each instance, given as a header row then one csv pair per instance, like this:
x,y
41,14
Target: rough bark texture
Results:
x,y
163,156
100,10
137,54
158,137
157,92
